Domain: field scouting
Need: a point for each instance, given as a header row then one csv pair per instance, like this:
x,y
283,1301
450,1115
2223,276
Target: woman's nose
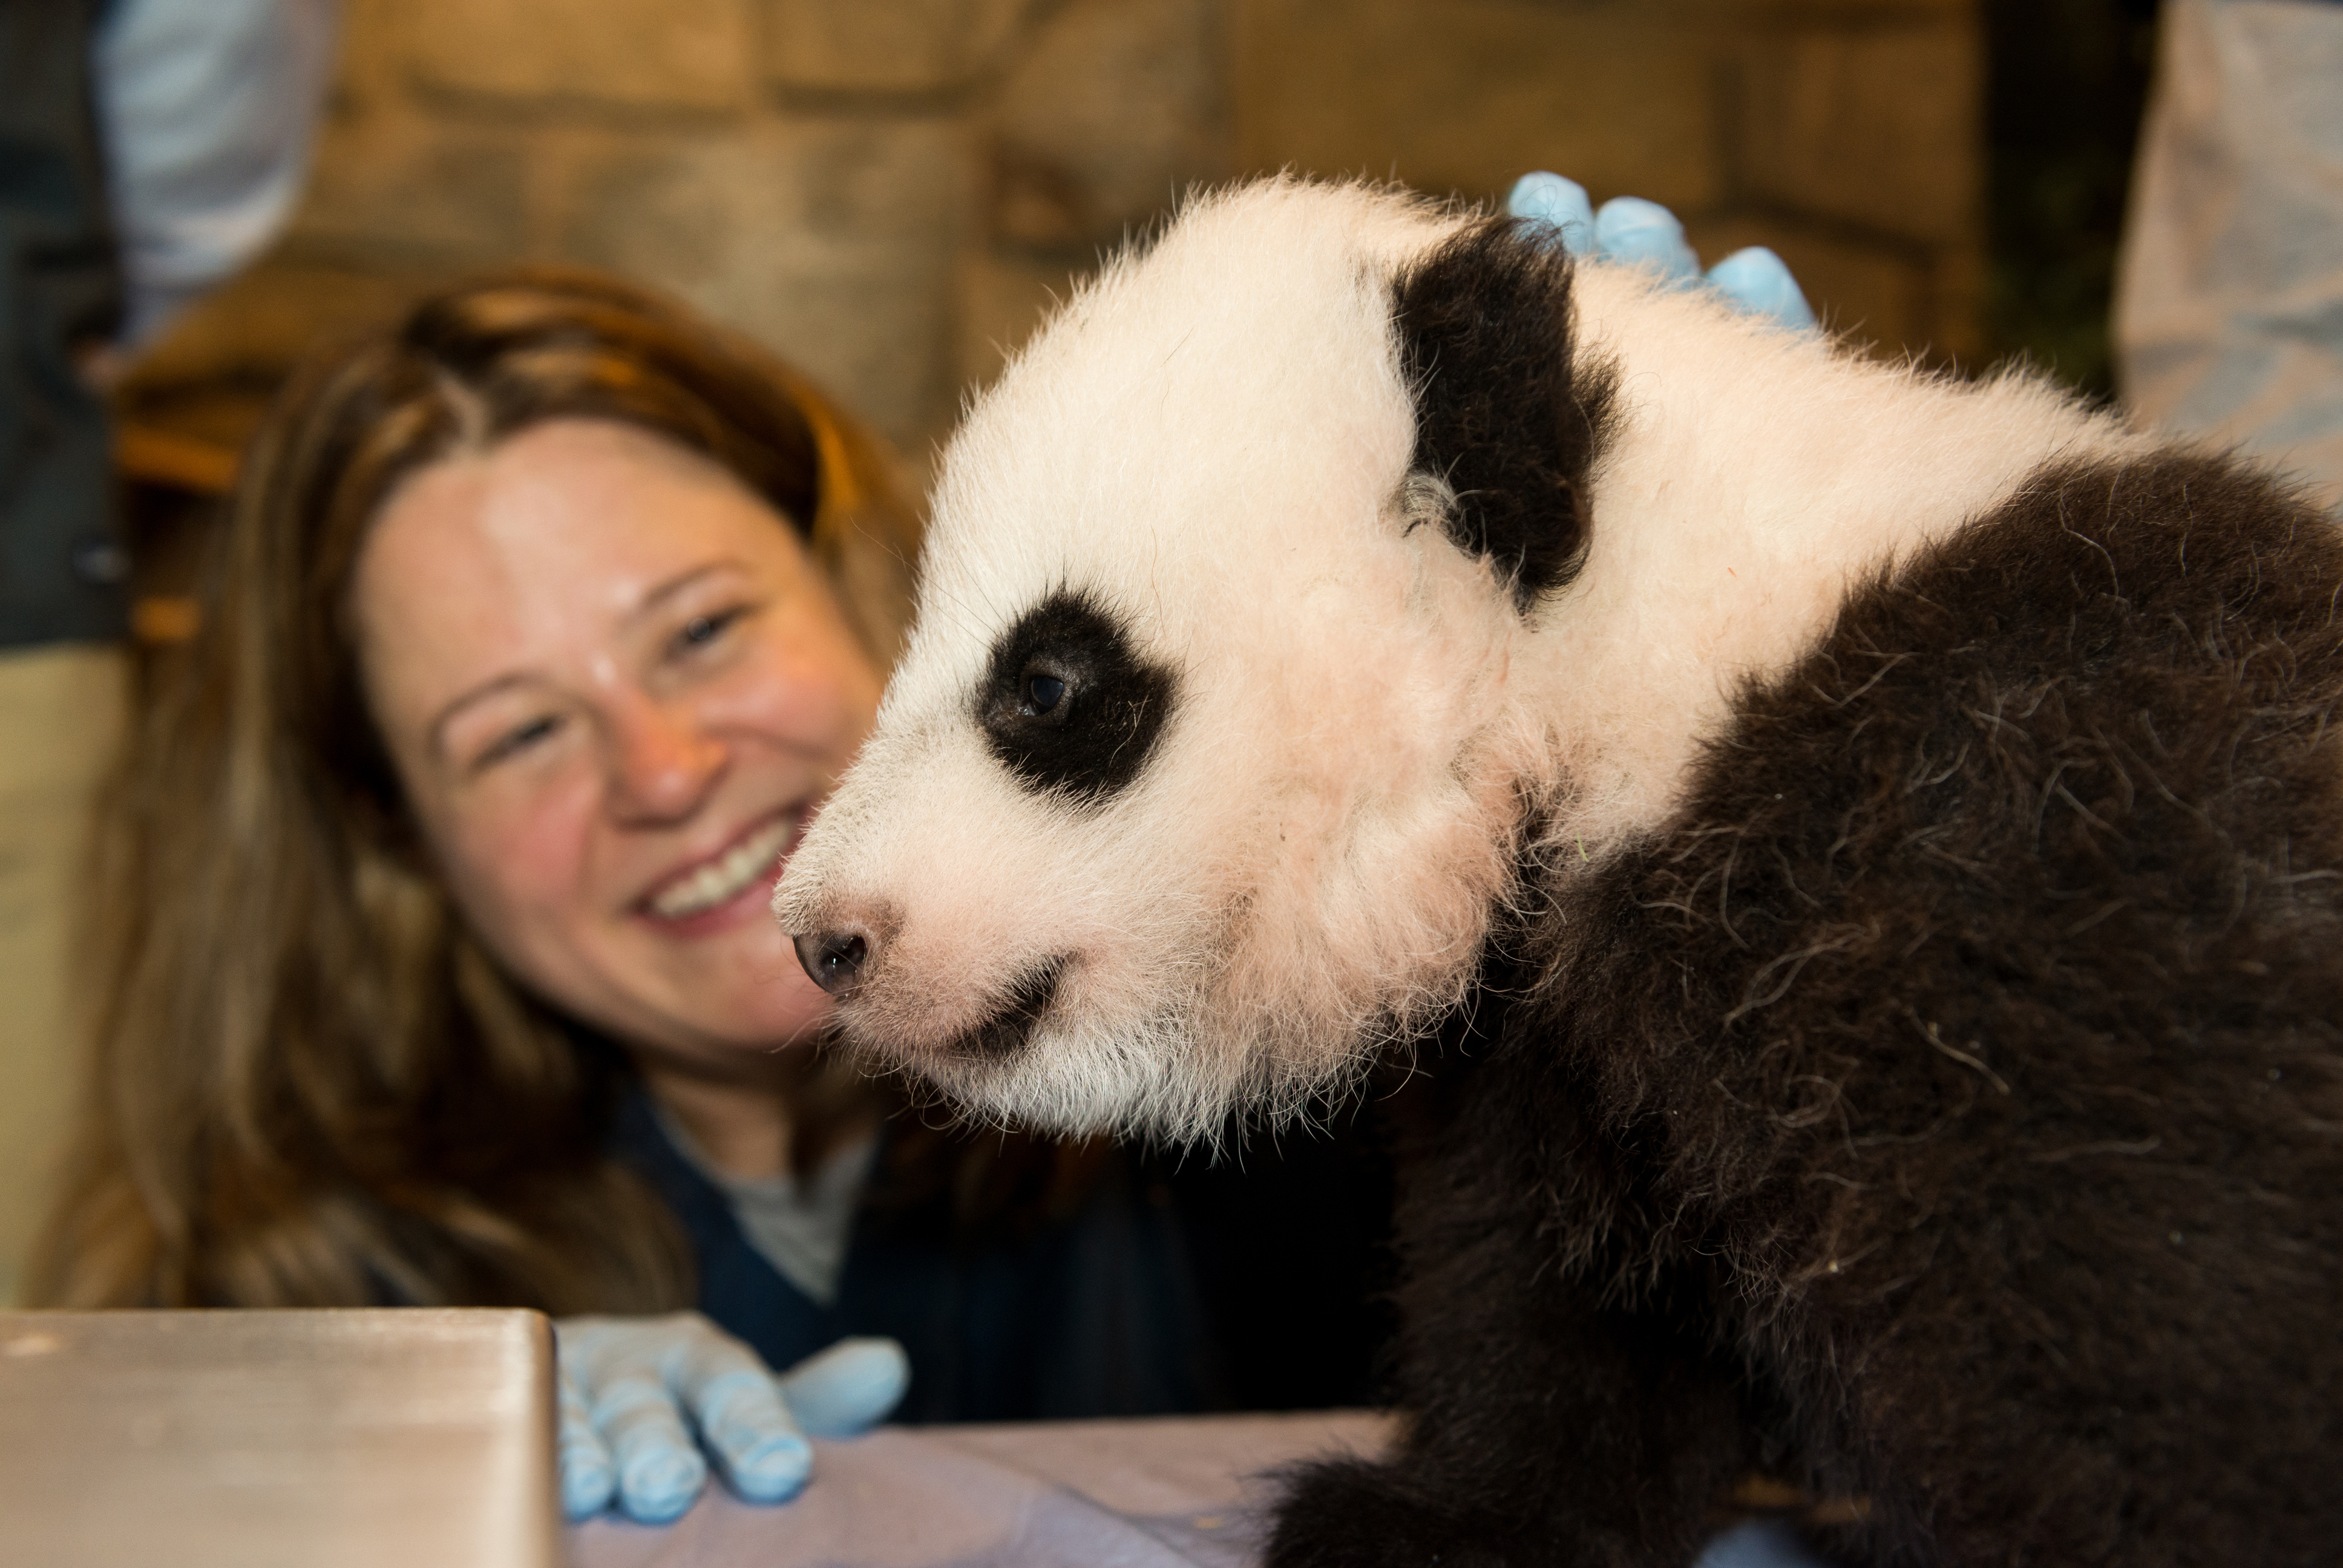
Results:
x,y
662,762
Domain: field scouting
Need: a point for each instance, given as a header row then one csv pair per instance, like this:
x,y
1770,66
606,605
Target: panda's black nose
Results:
x,y
834,959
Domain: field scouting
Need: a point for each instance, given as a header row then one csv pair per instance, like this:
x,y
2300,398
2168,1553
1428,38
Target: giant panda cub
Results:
x,y
1865,851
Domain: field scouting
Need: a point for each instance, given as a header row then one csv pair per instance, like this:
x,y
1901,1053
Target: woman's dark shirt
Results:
x,y
1137,1287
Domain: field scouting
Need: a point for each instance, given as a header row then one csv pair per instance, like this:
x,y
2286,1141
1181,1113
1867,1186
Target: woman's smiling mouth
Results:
x,y
717,882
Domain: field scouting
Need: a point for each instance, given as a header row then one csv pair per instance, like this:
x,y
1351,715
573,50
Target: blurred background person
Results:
x,y
2229,318
148,148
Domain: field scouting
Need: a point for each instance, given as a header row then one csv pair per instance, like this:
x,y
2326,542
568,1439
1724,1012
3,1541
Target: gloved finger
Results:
x,y
743,1420
848,1387
1551,199
1758,1543
1760,283
660,1468
588,1475
1639,232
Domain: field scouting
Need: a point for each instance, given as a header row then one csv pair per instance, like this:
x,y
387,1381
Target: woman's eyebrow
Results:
x,y
435,735
681,582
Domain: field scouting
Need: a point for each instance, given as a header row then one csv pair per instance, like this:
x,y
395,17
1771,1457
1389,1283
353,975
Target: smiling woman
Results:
x,y
611,734
541,624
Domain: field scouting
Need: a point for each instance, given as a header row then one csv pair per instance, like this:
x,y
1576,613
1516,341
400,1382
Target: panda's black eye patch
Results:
x,y
1068,704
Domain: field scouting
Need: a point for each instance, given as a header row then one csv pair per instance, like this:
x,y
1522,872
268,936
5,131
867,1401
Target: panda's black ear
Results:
x,y
1508,414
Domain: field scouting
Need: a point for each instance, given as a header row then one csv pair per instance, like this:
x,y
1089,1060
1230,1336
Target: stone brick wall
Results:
x,y
890,191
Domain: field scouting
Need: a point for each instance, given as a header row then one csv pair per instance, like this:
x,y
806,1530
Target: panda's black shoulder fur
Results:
x,y
1508,412
1945,1109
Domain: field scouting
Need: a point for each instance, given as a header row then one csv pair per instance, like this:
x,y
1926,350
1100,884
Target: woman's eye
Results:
x,y
519,738
703,629
1042,693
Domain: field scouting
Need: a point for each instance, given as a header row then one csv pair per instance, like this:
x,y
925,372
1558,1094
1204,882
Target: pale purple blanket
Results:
x,y
1161,1493
1172,1492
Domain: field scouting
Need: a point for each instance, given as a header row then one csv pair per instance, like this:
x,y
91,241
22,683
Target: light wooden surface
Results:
x,y
261,1438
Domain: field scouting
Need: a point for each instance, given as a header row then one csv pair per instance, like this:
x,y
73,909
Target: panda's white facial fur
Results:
x,y
1212,753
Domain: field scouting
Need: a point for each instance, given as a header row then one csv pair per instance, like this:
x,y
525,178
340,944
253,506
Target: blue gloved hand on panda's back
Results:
x,y
1639,232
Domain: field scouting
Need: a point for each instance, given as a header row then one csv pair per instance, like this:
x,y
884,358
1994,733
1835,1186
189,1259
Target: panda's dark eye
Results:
x,y
1042,692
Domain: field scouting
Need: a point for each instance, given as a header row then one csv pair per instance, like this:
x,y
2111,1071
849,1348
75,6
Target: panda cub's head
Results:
x,y
1203,774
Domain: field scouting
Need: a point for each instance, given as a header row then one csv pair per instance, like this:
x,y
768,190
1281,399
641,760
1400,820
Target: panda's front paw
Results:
x,y
1350,1513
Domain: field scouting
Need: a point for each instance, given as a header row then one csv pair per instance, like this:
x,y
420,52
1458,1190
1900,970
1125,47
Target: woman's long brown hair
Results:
x,y
310,1085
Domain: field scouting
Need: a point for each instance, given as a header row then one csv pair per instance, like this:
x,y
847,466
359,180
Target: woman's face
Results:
x,y
615,687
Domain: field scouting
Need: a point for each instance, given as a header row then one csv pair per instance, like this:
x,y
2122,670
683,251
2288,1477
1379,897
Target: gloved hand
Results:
x,y
634,1389
1644,234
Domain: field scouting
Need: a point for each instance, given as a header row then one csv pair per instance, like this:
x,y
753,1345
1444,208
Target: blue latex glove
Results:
x,y
634,1389
1758,1543
1639,232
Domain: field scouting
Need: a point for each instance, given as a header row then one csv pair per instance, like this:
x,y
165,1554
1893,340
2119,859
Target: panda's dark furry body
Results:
x,y
1865,852
1941,1112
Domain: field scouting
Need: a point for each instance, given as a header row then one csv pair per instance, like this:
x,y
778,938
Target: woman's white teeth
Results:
x,y
724,879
